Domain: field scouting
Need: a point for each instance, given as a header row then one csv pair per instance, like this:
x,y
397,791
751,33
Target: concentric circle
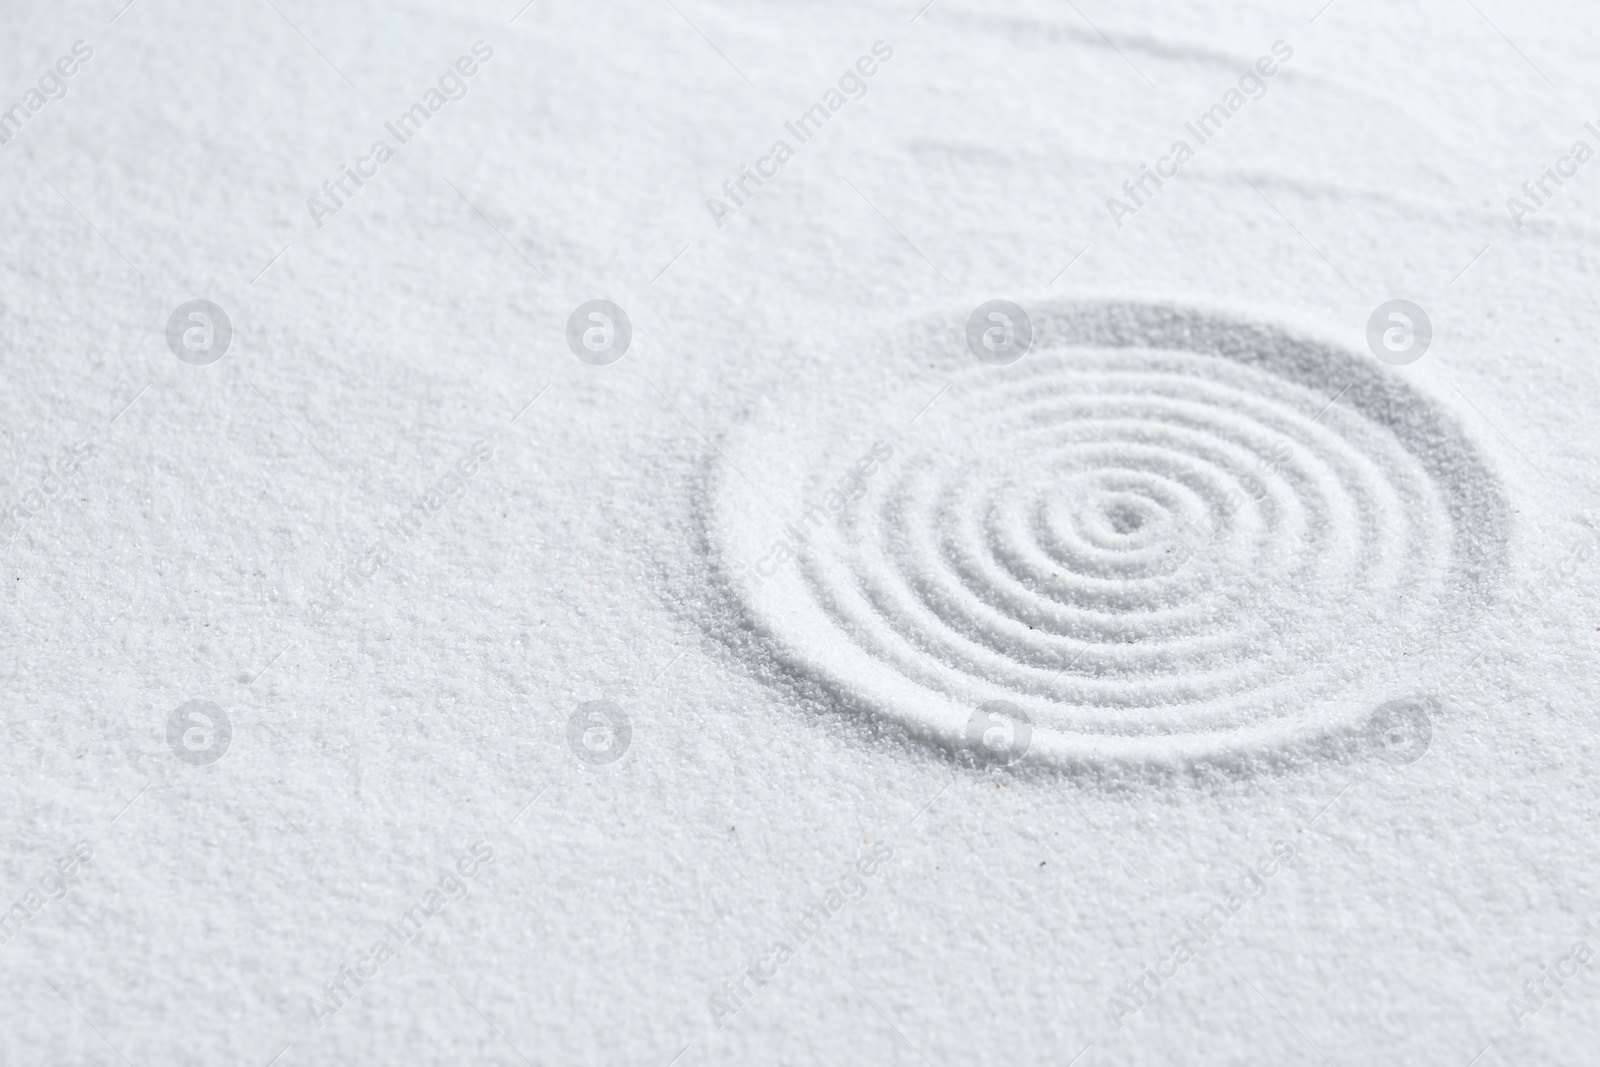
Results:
x,y
1164,534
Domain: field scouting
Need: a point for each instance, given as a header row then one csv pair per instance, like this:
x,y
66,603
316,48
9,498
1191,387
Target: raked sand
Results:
x,y
579,588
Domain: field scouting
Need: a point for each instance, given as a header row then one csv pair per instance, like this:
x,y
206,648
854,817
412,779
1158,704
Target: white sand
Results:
x,y
431,572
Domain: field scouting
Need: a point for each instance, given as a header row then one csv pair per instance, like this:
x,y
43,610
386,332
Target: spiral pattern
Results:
x,y
1160,534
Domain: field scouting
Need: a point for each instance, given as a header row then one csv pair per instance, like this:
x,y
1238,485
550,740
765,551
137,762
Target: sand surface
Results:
x,y
403,666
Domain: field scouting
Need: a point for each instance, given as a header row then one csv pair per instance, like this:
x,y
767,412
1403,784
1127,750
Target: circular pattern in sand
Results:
x,y
1162,535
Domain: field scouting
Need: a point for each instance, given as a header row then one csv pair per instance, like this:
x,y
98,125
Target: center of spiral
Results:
x,y
1123,518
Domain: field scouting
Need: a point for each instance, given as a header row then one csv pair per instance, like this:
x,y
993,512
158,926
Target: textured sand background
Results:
x,y
175,532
